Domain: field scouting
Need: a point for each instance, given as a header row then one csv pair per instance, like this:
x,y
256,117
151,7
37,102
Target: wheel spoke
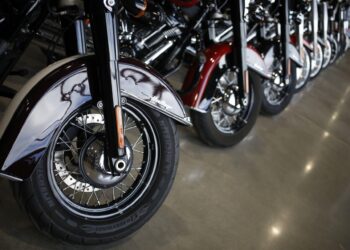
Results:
x,y
98,201
82,195
137,141
79,142
86,131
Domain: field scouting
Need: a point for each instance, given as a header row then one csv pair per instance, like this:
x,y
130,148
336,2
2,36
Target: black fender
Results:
x,y
38,110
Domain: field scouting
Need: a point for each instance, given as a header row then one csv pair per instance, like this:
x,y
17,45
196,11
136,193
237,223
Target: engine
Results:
x,y
155,32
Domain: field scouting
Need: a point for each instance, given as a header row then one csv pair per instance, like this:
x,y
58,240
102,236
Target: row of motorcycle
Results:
x,y
168,34
90,142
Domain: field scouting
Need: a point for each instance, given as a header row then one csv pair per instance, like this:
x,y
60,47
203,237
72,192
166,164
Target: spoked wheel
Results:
x,y
327,54
75,196
303,73
334,50
316,61
276,93
230,117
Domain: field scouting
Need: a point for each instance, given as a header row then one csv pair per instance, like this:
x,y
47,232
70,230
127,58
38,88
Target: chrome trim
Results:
x,y
257,64
251,36
154,55
224,35
142,43
199,110
294,55
10,177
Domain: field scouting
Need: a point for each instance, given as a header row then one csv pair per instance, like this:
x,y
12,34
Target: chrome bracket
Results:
x,y
109,4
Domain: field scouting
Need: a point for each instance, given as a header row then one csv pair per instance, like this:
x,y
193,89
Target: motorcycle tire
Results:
x,y
327,54
334,50
206,124
316,64
104,217
303,73
269,108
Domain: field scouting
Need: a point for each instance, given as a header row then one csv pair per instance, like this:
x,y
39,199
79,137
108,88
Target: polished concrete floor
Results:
x,y
286,186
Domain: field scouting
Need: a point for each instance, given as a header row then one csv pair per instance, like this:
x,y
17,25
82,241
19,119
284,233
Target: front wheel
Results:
x,y
316,61
327,54
334,50
74,197
303,73
276,93
228,121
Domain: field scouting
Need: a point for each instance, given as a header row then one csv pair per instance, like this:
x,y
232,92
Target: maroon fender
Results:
x,y
293,40
198,76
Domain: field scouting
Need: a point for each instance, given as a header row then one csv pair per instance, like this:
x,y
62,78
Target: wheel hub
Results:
x,y
93,165
231,104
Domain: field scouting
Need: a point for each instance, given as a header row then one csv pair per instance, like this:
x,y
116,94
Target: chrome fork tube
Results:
x,y
324,21
300,35
285,33
80,36
240,45
314,25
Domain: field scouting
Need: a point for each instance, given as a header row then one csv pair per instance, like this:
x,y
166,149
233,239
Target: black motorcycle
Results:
x,y
167,35
89,142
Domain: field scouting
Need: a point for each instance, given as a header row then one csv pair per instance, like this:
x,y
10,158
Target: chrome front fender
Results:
x,y
294,55
257,64
51,96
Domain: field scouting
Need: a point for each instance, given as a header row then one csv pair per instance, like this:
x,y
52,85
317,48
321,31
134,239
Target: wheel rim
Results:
x,y
334,50
227,112
275,90
302,74
78,194
327,53
316,62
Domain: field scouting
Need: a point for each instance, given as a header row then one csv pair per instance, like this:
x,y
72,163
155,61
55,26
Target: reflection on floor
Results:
x,y
286,186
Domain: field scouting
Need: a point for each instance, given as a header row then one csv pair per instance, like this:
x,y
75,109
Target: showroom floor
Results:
x,y
286,186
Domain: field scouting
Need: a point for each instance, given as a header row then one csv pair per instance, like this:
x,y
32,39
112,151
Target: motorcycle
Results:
x,y
224,106
297,13
90,142
167,35
265,41
326,42
340,25
311,38
269,33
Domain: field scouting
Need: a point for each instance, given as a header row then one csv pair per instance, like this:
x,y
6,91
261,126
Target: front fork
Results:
x,y
240,44
314,25
105,36
285,36
325,19
300,35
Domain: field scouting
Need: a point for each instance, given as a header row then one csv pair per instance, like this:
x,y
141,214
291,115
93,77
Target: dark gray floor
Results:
x,y
286,186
